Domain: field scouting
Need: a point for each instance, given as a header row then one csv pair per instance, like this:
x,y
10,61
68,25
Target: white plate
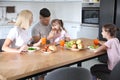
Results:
x,y
37,48
91,48
46,53
31,51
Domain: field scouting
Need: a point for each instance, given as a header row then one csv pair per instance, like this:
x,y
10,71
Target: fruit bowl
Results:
x,y
72,49
74,45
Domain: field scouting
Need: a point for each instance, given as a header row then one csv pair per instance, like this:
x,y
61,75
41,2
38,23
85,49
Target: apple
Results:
x,y
79,41
80,46
74,46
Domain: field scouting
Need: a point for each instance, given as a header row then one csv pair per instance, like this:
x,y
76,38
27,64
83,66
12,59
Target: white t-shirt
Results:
x,y
18,36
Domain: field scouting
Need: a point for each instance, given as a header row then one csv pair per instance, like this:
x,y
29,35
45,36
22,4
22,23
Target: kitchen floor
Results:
x,y
86,64
89,63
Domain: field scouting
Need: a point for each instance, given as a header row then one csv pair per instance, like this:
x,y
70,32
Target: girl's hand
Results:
x,y
67,39
51,34
95,51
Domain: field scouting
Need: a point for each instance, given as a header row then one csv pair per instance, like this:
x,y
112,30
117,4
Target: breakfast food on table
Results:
x,y
49,48
96,42
32,49
93,47
74,44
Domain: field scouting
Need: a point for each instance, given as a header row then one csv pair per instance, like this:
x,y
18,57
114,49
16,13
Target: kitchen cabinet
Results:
x,y
74,0
88,32
91,1
109,13
85,1
23,0
75,30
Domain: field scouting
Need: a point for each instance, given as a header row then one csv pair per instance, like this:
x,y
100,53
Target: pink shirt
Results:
x,y
59,37
113,51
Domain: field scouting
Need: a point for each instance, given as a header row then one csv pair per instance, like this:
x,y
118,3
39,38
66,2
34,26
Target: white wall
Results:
x,y
69,12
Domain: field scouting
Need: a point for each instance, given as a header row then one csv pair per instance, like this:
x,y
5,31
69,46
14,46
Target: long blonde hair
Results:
x,y
24,19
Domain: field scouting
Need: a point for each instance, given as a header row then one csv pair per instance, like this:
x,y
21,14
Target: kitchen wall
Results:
x,y
69,12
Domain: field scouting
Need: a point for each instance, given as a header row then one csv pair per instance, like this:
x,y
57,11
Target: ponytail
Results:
x,y
117,29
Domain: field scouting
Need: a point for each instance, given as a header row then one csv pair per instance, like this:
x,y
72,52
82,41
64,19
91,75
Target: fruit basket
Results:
x,y
74,45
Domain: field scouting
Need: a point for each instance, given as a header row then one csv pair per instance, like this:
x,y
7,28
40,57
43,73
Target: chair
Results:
x,y
115,74
1,44
69,73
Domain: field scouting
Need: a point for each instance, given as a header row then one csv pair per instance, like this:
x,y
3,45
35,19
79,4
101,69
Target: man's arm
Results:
x,y
35,34
36,38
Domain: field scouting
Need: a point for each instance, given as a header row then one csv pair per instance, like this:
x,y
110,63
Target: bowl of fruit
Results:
x,y
74,45
49,49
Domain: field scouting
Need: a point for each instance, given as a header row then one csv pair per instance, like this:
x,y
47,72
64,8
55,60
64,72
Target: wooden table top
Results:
x,y
14,66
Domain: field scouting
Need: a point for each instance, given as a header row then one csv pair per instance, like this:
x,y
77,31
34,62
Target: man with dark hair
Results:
x,y
42,28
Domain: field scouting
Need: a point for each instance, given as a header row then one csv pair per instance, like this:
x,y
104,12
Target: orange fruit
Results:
x,y
96,41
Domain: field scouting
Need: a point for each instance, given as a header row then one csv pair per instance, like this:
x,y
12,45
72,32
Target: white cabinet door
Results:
x,y
72,29
88,32
23,0
53,0
74,0
77,31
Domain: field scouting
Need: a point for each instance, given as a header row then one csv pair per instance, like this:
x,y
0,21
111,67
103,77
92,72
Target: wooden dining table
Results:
x,y
17,66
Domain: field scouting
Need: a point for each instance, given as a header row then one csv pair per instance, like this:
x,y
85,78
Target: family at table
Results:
x,y
17,39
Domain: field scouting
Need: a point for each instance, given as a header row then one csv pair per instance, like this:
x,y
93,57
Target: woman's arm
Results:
x,y
6,47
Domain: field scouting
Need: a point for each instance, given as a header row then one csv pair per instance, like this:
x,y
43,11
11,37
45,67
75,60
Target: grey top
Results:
x,y
40,30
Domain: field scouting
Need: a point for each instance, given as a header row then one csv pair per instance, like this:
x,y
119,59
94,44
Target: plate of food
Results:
x,y
93,47
33,49
49,49
74,45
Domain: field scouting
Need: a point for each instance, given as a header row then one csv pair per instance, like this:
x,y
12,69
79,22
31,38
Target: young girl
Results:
x,y
18,36
113,51
57,33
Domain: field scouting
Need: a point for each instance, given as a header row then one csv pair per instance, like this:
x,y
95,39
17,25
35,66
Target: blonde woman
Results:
x,y
18,36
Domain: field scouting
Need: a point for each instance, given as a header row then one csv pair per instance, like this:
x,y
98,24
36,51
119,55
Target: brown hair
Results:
x,y
111,28
60,22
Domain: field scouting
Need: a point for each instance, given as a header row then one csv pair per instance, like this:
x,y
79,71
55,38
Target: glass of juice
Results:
x,y
43,40
62,42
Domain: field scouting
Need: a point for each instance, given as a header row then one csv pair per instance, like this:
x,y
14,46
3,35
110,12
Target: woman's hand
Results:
x,y
23,48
